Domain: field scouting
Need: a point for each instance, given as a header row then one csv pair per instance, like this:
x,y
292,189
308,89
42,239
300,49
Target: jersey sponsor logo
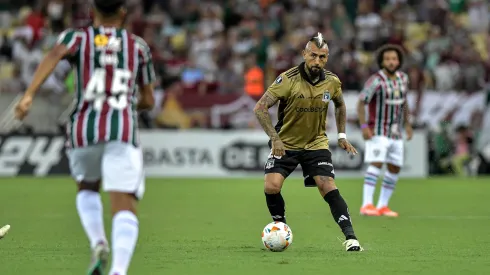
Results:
x,y
310,109
108,60
38,155
394,101
325,163
101,42
114,44
326,96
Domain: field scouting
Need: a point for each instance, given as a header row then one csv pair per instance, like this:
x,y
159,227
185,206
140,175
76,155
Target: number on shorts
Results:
x,y
96,89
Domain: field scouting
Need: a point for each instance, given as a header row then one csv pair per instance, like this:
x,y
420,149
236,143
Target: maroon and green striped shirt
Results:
x,y
385,98
110,63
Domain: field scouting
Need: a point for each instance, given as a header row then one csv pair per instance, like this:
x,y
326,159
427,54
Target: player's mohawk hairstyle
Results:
x,y
319,40
386,48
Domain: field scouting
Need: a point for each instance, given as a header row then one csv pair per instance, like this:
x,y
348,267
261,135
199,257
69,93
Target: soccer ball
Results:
x,y
277,236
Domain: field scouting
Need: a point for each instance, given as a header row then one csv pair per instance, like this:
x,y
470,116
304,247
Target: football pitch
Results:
x,y
213,226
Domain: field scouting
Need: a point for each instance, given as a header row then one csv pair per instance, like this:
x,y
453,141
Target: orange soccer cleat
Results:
x,y
369,210
385,211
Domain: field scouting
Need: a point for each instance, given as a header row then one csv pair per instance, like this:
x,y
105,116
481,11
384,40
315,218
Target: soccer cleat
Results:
x,y
100,255
4,230
352,245
369,210
385,211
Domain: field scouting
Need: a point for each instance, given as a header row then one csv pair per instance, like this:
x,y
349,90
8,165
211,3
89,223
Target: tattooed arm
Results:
x,y
340,113
406,120
341,119
340,109
261,111
406,113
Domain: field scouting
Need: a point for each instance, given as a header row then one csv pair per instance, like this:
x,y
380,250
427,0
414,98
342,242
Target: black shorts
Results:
x,y
313,162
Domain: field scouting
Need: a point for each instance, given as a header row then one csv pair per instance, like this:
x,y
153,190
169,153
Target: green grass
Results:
x,y
192,226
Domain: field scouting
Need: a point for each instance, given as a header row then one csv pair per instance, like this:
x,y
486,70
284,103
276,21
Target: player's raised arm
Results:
x,y
67,43
367,93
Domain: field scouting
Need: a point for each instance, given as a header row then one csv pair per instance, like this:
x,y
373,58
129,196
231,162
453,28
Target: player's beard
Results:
x,y
391,72
314,73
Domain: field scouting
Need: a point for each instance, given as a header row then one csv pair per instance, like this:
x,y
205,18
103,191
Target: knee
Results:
x,y
393,169
325,184
90,186
122,202
273,183
272,187
378,165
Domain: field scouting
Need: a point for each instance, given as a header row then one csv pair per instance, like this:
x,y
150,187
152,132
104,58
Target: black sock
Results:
x,y
340,213
276,205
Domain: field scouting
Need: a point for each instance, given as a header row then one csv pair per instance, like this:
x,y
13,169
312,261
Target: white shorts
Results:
x,y
384,150
119,166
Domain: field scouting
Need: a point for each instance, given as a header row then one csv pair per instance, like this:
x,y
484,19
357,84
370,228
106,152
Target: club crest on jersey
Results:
x,y
278,80
326,96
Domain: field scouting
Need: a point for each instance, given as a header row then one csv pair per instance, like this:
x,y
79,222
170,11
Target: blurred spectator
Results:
x,y
55,12
462,150
254,77
478,15
214,52
434,48
368,24
452,41
229,80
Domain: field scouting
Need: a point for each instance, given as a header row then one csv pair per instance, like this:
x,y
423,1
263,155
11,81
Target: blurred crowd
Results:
x,y
445,40
239,46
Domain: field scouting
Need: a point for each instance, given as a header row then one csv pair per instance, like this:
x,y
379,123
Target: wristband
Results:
x,y
342,136
363,126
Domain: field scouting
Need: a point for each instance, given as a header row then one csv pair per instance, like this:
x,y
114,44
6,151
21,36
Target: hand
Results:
x,y
278,149
367,134
344,144
409,131
23,106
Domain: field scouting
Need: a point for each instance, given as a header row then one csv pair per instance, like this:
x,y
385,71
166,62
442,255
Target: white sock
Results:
x,y
89,206
370,180
124,237
389,183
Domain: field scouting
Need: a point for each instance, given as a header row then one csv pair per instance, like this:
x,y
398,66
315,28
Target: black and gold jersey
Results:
x,y
303,107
